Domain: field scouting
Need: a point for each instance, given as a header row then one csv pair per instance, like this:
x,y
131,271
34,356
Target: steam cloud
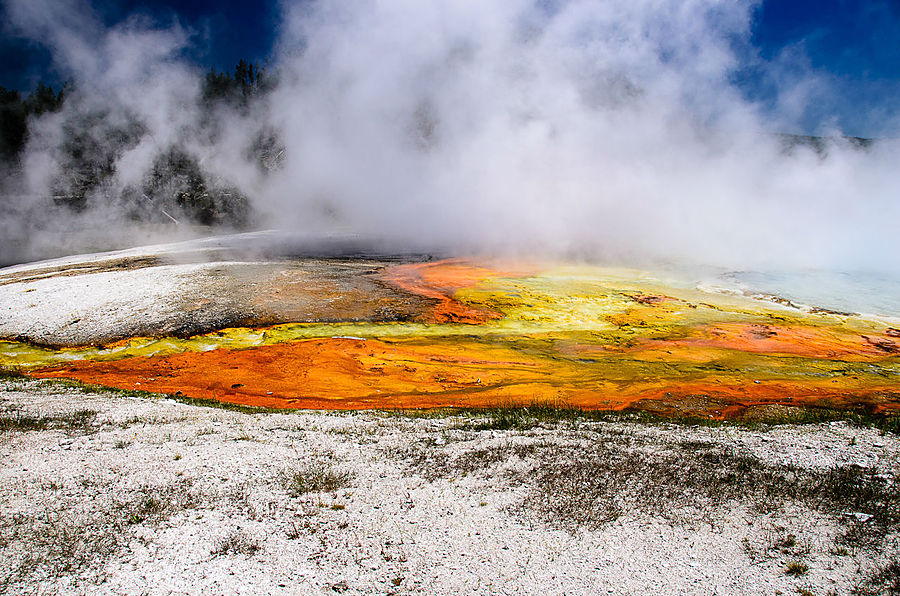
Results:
x,y
600,129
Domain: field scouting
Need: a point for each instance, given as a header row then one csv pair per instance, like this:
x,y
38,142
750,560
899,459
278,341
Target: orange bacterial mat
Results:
x,y
501,335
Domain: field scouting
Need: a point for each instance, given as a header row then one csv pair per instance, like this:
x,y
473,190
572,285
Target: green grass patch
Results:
x,y
590,476
212,403
592,485
11,374
76,537
77,421
524,417
153,503
316,476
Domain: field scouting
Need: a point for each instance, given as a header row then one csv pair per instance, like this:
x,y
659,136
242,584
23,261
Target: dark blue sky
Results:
x,y
226,31
857,38
236,29
855,43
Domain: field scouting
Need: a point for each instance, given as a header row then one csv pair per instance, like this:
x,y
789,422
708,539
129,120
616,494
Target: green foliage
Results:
x,y
238,92
175,187
266,150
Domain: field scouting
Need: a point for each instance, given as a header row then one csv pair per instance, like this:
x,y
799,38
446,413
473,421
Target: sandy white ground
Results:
x,y
85,308
188,288
197,246
224,521
74,300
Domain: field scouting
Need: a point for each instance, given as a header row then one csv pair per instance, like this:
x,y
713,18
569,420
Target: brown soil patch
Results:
x,y
70,270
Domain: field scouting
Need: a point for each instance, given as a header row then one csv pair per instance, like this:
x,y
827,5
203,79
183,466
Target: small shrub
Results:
x,y
236,542
315,477
19,422
796,568
152,503
296,530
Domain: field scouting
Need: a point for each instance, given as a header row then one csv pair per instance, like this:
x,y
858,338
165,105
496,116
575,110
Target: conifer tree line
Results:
x,y
15,111
175,187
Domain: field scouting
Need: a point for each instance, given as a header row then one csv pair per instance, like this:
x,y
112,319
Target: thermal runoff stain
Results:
x,y
478,334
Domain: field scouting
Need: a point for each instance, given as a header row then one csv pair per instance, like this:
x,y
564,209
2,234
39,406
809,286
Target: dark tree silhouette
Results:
x,y
43,99
91,146
13,126
14,113
238,89
176,188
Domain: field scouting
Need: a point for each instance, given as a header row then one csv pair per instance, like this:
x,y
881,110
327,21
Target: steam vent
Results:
x,y
356,330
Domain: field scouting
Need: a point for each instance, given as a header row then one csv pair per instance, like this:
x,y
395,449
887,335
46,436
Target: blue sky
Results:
x,y
854,44
226,31
855,38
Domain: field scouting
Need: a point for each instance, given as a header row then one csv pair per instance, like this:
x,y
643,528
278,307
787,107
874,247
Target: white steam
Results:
x,y
602,129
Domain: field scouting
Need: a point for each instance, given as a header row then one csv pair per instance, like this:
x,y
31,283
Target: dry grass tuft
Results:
x,y
587,478
796,568
77,538
316,476
236,542
80,421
